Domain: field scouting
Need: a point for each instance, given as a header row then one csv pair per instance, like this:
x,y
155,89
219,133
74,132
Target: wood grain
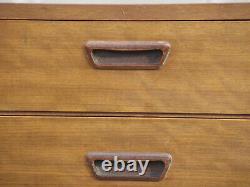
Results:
x,y
44,151
44,67
240,11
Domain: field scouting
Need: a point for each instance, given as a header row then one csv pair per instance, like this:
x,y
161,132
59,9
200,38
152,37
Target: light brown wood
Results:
x,y
43,151
240,11
47,81
44,67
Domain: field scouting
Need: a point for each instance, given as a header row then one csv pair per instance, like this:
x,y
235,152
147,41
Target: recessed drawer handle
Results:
x,y
130,166
127,54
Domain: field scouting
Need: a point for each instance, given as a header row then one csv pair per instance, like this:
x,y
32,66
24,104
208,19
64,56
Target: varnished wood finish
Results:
x,y
240,11
44,151
44,67
49,91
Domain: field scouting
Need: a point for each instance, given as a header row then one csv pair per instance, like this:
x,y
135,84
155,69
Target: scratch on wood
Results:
x,y
123,12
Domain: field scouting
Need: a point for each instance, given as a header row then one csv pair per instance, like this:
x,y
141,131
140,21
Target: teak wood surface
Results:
x,y
48,151
49,90
44,67
223,11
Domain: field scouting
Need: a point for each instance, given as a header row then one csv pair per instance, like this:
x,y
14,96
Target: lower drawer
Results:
x,y
47,151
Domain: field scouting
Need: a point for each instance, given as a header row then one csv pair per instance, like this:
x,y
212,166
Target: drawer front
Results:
x,y
47,151
44,66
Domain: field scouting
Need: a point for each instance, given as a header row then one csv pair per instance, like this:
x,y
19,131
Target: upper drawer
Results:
x,y
44,66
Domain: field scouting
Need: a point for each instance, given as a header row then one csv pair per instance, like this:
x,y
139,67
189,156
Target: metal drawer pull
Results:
x,y
127,54
130,166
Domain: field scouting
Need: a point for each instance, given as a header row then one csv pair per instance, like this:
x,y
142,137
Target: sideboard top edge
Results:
x,y
228,11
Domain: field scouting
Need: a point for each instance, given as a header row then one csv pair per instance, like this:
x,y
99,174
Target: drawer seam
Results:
x,y
124,114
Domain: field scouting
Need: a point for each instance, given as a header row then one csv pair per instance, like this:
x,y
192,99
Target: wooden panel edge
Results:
x,y
229,11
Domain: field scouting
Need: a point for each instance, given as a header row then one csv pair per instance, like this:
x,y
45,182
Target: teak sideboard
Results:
x,y
56,106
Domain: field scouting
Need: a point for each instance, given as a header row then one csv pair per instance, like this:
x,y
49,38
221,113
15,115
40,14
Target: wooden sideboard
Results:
x,y
55,107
